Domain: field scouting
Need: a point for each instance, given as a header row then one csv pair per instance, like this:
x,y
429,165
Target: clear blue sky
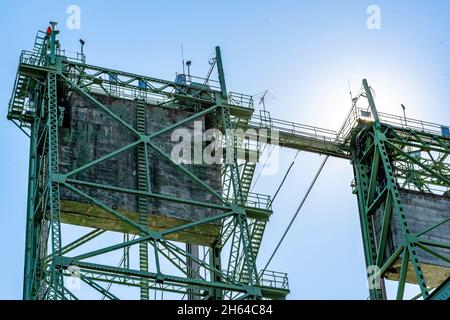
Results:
x,y
303,52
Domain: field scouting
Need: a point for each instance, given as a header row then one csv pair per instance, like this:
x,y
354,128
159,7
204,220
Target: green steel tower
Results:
x,y
99,158
101,143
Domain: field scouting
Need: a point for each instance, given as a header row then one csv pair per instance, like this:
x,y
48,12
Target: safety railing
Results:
x,y
189,79
127,93
131,86
37,55
31,58
274,279
259,201
115,87
250,144
241,100
352,119
38,59
72,56
408,123
358,115
294,128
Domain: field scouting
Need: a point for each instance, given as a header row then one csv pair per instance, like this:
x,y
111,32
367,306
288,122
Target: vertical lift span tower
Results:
x,y
100,160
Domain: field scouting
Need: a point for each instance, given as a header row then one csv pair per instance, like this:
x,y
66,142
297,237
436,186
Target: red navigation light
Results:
x,y
49,30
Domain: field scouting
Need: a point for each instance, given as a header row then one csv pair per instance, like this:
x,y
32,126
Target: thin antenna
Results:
x,y
182,58
212,63
263,100
350,91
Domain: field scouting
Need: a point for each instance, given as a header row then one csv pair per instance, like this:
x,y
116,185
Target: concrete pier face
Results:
x,y
88,133
422,211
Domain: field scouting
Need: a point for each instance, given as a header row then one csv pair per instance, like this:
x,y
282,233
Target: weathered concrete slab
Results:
x,y
88,133
422,211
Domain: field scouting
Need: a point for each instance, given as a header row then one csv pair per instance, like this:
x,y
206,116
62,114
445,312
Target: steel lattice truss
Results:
x,y
44,72
386,159
388,155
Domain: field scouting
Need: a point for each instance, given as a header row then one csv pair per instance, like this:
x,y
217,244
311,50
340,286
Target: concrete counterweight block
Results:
x,y
88,133
422,211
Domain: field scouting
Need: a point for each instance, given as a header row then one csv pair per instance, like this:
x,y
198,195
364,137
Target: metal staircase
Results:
x,y
231,176
257,228
248,170
17,109
254,227
246,261
241,255
257,233
249,267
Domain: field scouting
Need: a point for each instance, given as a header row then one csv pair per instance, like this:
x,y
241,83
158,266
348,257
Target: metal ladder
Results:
x,y
57,281
142,181
39,48
39,42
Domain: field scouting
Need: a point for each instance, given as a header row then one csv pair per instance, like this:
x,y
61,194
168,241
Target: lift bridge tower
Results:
x,y
100,162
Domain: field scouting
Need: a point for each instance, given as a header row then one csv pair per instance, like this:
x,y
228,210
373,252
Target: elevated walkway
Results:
x,y
301,137
337,143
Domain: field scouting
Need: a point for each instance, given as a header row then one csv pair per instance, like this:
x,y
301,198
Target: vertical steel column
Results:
x,y
362,172
367,172
215,262
193,268
241,246
56,284
30,236
223,86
